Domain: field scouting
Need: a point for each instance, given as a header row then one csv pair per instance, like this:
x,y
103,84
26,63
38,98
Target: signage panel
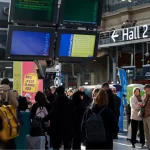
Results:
x,y
146,71
132,33
130,71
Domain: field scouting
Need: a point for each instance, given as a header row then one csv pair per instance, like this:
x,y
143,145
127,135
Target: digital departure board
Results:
x,y
30,43
76,44
34,11
81,13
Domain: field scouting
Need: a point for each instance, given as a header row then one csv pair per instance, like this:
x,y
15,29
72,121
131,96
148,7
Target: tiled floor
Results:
x,y
122,144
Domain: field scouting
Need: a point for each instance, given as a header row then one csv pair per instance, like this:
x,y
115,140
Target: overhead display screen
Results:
x,y
80,44
34,11
30,42
81,12
76,45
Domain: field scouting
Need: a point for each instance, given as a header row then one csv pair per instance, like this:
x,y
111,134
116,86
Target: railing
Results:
x,y
124,4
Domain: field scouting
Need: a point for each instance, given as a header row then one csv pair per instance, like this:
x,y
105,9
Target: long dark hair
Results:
x,y
40,98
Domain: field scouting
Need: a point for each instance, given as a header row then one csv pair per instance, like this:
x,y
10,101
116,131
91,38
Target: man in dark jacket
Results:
x,y
117,108
87,100
111,103
61,120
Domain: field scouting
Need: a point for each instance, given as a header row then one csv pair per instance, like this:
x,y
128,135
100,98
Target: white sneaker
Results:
x,y
145,147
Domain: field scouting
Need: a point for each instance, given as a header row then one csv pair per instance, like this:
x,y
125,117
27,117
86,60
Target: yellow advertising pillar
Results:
x,y
17,76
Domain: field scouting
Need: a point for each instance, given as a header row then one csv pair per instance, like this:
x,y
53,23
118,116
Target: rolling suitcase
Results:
x,y
37,142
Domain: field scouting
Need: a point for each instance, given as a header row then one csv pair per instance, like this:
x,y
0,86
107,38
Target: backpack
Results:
x,y
94,128
10,123
42,112
37,124
37,127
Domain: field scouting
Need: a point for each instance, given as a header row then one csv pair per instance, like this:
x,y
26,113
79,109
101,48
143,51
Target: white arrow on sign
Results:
x,y
114,35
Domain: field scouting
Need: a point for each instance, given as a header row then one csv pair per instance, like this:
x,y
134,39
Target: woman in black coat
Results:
x,y
79,109
109,120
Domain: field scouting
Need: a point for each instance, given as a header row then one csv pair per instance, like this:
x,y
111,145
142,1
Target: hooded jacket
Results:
x,y
11,96
134,107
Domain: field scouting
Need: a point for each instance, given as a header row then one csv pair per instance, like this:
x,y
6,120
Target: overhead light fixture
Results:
x,y
8,67
125,0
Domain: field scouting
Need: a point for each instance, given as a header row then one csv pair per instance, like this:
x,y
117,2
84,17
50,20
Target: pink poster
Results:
x,y
31,84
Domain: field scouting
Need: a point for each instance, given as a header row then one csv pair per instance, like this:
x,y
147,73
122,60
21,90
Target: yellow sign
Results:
x,y
30,83
17,77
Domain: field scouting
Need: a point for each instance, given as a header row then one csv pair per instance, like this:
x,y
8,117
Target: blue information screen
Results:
x,y
77,45
30,43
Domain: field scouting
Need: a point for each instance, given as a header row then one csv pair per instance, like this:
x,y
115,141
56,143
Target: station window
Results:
x,y
9,73
1,74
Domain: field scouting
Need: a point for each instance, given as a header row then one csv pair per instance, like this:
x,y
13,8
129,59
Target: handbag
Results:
x,y
141,113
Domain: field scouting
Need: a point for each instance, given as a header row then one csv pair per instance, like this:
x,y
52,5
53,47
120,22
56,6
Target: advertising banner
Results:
x,y
123,80
17,77
123,83
30,81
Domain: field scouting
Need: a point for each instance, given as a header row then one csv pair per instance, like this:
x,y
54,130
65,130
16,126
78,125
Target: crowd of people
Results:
x,y
69,111
73,118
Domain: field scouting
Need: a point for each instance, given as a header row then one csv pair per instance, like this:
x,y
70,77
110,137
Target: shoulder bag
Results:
x,y
141,113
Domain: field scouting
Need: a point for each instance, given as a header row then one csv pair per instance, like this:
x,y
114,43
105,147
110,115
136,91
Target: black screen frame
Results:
x,y
12,28
11,15
76,59
74,24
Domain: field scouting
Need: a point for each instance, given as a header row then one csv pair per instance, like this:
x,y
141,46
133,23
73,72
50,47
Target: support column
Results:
x,y
108,68
78,80
131,59
114,71
143,53
92,78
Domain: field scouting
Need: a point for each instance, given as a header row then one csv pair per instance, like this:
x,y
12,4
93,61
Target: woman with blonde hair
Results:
x,y
109,120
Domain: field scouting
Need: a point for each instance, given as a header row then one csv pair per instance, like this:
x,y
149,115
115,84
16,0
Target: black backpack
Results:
x,y
94,128
37,127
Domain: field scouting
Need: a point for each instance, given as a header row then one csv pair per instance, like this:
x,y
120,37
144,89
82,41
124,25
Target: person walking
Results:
x,y
117,104
136,121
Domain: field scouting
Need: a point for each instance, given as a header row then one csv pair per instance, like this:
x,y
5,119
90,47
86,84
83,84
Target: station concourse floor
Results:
x,y
121,143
